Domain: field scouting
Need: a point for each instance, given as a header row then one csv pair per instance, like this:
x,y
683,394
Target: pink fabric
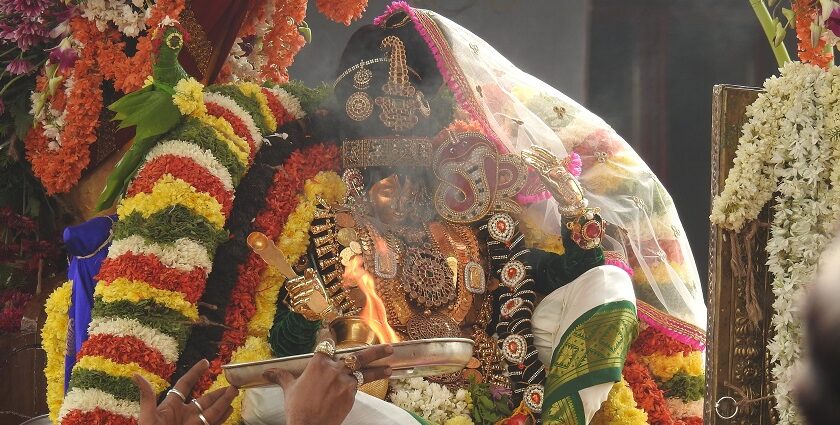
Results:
x,y
575,165
620,264
697,345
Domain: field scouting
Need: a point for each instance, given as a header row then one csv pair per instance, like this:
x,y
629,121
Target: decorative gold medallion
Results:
x,y
359,106
423,326
346,235
362,78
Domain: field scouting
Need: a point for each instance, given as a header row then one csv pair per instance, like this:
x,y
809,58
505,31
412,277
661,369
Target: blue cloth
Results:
x,y
87,246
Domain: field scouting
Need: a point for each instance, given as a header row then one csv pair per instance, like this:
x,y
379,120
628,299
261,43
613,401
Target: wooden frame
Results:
x,y
740,296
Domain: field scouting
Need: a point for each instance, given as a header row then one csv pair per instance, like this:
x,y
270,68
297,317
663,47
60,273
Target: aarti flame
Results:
x,y
373,313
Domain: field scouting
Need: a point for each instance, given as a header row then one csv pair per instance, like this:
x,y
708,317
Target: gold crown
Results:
x,y
388,152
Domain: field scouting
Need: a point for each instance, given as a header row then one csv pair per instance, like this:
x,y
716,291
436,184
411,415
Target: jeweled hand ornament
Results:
x,y
558,180
307,295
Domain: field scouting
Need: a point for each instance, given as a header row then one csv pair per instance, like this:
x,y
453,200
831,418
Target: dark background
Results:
x,y
646,66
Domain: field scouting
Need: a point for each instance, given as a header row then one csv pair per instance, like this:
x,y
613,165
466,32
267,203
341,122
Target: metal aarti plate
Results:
x,y
426,357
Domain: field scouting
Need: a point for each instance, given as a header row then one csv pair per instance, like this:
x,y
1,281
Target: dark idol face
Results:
x,y
393,198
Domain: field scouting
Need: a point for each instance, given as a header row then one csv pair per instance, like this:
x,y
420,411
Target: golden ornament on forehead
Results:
x,y
401,100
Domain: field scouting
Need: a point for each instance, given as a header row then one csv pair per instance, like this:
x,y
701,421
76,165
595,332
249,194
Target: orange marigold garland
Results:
x,y
342,11
59,161
283,41
59,166
807,12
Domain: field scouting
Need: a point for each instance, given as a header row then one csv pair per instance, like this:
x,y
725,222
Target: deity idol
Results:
x,y
468,216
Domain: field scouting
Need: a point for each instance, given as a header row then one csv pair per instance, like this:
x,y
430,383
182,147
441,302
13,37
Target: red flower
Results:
x,y
149,269
127,349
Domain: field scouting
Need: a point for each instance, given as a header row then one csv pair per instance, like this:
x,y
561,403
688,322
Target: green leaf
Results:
x,y
788,14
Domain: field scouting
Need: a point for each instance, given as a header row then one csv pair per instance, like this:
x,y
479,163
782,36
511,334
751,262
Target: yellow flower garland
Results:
x,y
122,289
169,191
252,350
620,408
254,91
54,343
665,367
224,130
236,147
265,303
293,242
294,239
122,370
189,97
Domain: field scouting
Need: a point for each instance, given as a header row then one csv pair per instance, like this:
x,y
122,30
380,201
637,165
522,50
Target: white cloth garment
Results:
x,y
556,312
264,406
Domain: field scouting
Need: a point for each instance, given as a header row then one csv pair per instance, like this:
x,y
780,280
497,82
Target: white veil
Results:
x,y
517,110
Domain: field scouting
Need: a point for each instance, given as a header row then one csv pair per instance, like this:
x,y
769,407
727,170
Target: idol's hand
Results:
x,y
211,408
563,186
324,393
308,297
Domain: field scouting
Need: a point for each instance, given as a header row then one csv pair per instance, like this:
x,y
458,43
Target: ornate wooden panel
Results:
x,y
740,297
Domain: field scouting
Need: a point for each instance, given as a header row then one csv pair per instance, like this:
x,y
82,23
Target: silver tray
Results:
x,y
410,358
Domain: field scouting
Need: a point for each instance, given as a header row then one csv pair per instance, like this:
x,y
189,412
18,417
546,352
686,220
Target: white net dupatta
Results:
x,y
517,110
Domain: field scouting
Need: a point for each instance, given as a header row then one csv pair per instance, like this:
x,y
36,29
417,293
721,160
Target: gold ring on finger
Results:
x,y
326,347
352,363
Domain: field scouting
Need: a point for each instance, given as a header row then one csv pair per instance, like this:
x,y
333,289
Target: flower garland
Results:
x,y
155,273
620,408
785,144
58,147
293,241
250,200
806,12
58,162
434,402
281,201
342,11
54,343
128,16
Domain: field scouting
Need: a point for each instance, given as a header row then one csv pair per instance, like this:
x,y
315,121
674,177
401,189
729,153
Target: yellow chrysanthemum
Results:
x,y
169,191
122,289
225,131
665,367
121,370
294,239
253,90
189,97
265,302
148,81
620,408
252,350
54,343
235,145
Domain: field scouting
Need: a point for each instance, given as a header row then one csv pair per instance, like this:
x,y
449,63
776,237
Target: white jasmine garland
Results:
x,y
432,401
183,254
291,103
129,17
231,105
785,150
200,156
154,339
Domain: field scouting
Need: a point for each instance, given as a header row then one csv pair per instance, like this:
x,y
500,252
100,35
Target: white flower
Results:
x,y
783,150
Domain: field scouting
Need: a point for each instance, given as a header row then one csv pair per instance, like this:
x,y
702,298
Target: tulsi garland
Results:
x,y
54,343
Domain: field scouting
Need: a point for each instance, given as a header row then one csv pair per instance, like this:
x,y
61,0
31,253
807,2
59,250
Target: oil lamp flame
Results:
x,y
373,313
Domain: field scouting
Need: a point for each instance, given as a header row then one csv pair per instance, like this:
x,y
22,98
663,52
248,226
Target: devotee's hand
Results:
x,y
324,393
210,409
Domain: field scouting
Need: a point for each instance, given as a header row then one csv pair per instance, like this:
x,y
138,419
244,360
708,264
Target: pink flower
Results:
x,y
25,33
63,55
28,8
833,21
19,66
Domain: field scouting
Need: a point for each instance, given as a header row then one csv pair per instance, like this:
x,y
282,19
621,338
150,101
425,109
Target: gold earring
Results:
x,y
362,77
359,106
